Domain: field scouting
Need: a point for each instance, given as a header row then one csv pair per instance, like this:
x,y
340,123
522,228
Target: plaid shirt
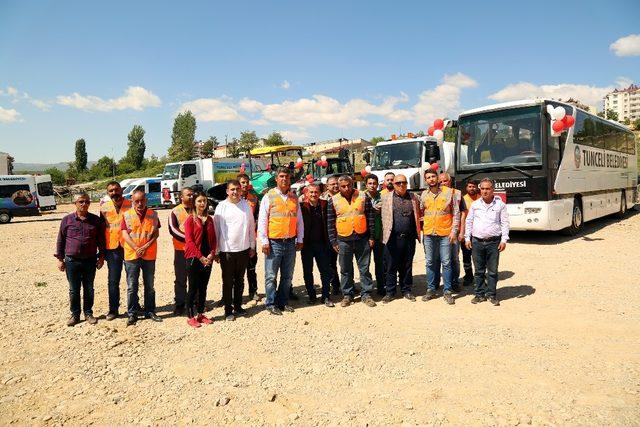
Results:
x,y
80,238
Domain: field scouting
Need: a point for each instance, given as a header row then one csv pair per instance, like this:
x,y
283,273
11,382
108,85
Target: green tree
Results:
x,y
81,155
450,134
182,137
612,115
636,126
104,168
420,133
233,148
275,139
377,139
208,147
57,176
247,142
135,151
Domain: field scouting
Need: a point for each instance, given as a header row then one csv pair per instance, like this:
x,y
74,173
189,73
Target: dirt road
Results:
x,y
562,349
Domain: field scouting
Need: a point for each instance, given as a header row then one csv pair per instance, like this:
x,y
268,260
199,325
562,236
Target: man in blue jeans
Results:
x,y
441,219
80,250
486,234
350,222
281,232
316,245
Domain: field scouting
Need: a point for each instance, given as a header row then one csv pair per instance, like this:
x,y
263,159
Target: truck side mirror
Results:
x,y
366,157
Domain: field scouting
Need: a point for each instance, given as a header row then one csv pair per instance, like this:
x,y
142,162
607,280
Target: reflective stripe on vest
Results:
x,y
140,233
350,216
282,215
438,212
113,218
181,215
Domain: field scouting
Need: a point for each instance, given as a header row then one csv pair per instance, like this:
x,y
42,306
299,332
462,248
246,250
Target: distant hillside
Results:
x,y
40,167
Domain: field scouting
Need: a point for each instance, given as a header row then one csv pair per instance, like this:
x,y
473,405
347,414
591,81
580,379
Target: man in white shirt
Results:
x,y
486,234
236,236
281,231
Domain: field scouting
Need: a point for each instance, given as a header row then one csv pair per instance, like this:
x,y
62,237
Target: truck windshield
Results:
x,y
397,156
171,172
500,139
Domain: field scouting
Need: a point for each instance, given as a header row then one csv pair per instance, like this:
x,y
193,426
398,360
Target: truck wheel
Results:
x,y
623,205
4,217
577,219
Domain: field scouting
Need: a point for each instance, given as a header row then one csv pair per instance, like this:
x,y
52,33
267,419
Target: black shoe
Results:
x,y
478,299
255,298
312,301
112,316
240,312
153,317
448,298
178,310
381,292
409,296
274,310
493,301
456,287
429,295
293,296
368,301
131,320
287,308
229,318
73,320
467,280
388,298
90,319
328,303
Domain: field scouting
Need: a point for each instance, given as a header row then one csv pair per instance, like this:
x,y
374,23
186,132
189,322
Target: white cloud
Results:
x,y
40,105
250,105
586,94
443,100
285,85
626,46
9,115
135,98
295,135
212,110
623,82
12,91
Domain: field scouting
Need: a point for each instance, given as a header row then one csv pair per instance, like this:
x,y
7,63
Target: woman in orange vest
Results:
x,y
199,251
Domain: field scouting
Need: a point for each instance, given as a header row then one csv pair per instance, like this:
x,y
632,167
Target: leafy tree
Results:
x,y
377,139
636,126
57,176
233,148
182,137
627,121
103,168
81,155
612,115
600,114
135,152
208,147
247,142
420,133
275,139
450,134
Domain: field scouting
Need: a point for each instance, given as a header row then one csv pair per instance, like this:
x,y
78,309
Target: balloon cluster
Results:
x,y
365,171
437,130
299,164
560,121
322,162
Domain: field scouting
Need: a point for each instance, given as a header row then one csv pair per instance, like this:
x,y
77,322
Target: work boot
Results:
x,y
478,299
448,298
73,321
346,301
90,319
131,320
111,316
274,310
387,299
368,301
494,301
429,295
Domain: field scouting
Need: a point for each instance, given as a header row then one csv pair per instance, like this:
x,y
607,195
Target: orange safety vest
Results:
x,y
252,199
350,216
468,200
438,212
181,215
141,232
283,215
383,192
113,218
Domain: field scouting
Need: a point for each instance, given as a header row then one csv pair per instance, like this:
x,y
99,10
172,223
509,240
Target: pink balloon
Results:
x,y
435,166
430,130
438,123
557,126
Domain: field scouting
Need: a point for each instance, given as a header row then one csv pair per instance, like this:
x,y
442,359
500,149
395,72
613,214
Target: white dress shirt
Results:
x,y
263,220
235,226
486,220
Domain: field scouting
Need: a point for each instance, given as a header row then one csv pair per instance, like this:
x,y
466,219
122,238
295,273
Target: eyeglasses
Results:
x,y
400,183
83,202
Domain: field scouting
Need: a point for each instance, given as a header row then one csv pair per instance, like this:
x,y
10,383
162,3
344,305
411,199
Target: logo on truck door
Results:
x,y
577,157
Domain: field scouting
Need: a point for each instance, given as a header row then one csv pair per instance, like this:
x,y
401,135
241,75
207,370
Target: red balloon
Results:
x,y
435,166
438,123
309,176
268,168
319,163
242,169
430,130
363,172
568,121
557,126
299,165
325,163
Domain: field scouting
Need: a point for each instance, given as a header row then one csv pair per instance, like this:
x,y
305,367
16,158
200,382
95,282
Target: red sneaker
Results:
x,y
204,319
192,321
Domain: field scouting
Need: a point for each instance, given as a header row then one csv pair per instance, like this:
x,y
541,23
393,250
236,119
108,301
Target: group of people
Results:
x,y
330,228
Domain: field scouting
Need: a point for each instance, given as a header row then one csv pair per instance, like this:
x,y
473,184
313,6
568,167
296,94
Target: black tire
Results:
x,y
577,219
623,205
5,217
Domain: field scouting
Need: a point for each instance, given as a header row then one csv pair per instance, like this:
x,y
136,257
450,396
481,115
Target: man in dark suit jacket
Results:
x,y
316,245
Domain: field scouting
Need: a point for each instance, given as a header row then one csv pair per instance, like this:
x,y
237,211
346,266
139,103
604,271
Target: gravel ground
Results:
x,y
562,349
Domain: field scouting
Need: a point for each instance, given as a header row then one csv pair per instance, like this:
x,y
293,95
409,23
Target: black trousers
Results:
x,y
198,276
335,277
252,279
180,282
233,265
466,262
398,255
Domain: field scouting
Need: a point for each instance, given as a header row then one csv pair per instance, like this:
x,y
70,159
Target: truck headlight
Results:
x,y
532,210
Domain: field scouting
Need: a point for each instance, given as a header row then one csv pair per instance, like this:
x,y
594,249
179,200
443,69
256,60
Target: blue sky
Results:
x,y
312,70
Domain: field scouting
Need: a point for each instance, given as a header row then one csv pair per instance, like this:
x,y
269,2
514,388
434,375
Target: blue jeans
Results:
x,y
360,248
80,274
437,250
282,257
114,259
320,252
485,259
132,268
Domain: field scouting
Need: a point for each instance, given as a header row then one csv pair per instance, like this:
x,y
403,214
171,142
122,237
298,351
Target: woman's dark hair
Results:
x,y
197,194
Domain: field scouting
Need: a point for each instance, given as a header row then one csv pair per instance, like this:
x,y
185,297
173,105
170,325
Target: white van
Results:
x,y
25,195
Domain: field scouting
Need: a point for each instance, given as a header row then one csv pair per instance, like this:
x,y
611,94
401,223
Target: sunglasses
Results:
x,y
400,183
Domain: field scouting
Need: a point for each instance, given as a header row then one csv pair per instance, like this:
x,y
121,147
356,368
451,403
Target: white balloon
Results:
x,y
367,168
439,135
559,113
550,109
323,158
299,160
